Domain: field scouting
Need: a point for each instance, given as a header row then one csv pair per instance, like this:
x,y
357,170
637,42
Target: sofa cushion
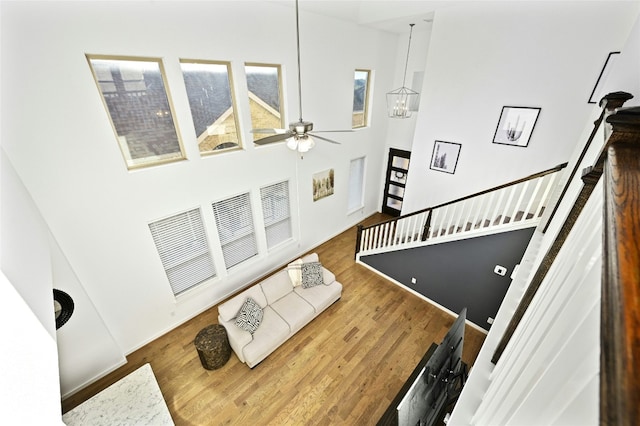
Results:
x,y
320,296
294,310
238,338
311,274
249,316
271,334
327,276
229,309
276,286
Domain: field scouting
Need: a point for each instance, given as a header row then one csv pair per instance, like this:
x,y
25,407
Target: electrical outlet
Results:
x,y
490,320
413,281
500,270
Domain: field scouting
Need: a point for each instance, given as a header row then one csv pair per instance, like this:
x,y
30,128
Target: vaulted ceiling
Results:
x,y
387,15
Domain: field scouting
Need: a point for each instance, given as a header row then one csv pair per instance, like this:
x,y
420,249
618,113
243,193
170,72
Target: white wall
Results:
x,y
57,135
29,357
29,385
400,132
25,257
99,352
487,55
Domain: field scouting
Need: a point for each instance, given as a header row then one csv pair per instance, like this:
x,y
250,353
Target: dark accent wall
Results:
x,y
459,274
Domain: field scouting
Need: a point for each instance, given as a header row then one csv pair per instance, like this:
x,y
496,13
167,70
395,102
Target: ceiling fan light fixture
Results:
x,y
401,102
305,143
292,143
300,143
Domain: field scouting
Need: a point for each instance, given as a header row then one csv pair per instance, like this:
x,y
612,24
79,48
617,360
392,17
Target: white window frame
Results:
x,y
252,97
217,128
365,100
134,88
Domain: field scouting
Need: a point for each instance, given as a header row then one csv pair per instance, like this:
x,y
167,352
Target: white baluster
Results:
x,y
523,190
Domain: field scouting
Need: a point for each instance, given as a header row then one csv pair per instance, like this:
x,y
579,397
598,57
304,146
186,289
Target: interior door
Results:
x,y
397,168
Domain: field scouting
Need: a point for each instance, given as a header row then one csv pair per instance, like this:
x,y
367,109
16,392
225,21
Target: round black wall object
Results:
x,y
62,306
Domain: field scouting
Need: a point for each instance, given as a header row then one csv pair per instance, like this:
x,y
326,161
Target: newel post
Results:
x,y
620,297
358,238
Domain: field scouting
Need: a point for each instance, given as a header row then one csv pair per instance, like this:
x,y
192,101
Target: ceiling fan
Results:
x,y
299,133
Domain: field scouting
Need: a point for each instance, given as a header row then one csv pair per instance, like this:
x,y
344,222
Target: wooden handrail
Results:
x,y
486,191
609,104
620,299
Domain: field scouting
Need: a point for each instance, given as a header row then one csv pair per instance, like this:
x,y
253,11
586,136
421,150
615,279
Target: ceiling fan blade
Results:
x,y
269,131
324,139
332,131
274,138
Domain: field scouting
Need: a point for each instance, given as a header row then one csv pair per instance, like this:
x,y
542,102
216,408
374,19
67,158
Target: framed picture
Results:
x,y
322,184
596,93
516,125
445,156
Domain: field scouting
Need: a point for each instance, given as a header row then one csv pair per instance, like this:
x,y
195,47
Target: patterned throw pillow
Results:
x,y
311,274
249,316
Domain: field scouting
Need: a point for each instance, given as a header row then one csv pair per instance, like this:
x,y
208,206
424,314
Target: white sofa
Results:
x,y
286,309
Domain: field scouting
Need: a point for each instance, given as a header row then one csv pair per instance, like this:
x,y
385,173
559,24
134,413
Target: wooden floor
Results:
x,y
344,367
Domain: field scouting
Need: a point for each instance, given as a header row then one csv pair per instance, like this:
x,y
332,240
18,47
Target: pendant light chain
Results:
x,y
406,64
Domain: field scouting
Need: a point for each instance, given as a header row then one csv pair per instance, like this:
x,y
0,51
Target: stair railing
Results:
x,y
517,203
609,104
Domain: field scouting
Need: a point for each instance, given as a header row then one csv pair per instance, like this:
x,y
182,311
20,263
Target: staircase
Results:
x,y
515,205
565,344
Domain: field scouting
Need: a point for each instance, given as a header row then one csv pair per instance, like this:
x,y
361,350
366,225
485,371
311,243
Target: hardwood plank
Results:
x,y
346,366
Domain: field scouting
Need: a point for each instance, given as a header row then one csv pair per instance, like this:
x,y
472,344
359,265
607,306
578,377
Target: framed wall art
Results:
x,y
445,156
516,125
597,92
322,184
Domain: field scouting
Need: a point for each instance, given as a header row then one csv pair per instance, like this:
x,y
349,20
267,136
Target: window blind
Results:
x,y
276,213
234,220
182,245
356,184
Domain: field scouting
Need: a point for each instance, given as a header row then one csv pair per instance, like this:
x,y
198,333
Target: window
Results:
x,y
183,249
360,98
356,185
234,219
265,97
208,85
275,209
135,96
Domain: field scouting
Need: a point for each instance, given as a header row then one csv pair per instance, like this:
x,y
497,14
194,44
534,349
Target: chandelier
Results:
x,y
401,102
